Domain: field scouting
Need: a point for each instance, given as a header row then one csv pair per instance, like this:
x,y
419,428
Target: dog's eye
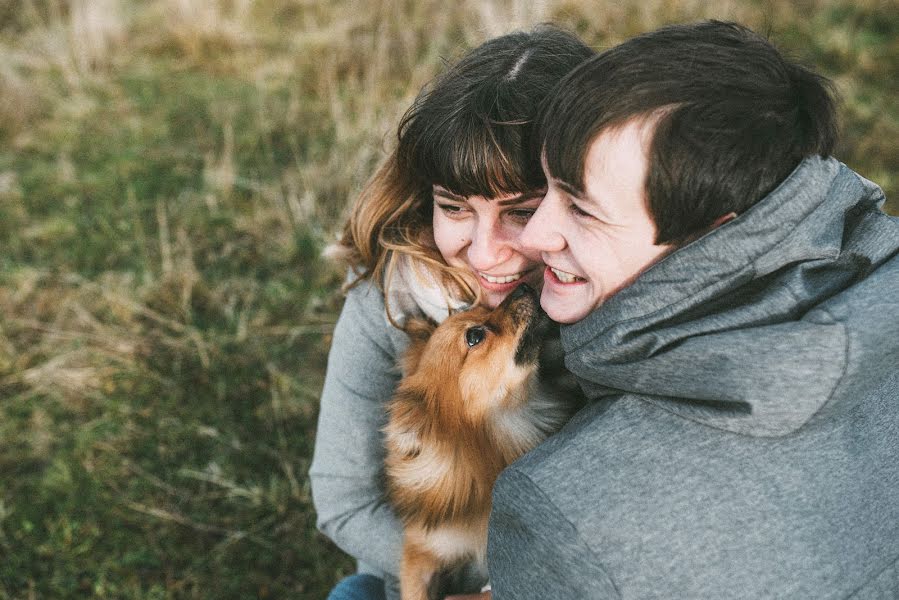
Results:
x,y
475,335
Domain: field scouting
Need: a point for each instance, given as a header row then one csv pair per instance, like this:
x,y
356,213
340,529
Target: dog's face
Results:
x,y
480,360
464,411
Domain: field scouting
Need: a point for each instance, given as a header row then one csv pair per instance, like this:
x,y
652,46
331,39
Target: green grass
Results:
x,y
169,173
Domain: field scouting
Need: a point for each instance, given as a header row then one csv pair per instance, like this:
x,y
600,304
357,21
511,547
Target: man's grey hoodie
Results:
x,y
743,439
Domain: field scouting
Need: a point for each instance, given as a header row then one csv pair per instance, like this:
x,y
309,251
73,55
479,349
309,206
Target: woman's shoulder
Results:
x,y
364,299
364,321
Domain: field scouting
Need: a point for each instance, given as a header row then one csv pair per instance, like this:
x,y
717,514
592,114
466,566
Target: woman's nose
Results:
x,y
542,233
489,246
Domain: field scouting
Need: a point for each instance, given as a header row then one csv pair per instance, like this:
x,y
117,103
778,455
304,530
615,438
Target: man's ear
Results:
x,y
722,220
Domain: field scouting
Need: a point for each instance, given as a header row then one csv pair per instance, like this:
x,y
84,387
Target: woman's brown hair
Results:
x,y
469,131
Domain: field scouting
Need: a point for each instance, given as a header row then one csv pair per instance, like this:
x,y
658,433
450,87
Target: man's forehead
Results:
x,y
628,141
566,186
600,147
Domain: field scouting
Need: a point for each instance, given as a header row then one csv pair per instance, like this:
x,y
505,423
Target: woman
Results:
x,y
435,229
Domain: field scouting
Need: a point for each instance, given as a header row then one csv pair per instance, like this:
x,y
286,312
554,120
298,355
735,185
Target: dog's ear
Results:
x,y
458,309
403,433
419,329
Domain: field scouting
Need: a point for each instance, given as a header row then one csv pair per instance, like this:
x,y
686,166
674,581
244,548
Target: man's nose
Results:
x,y
542,233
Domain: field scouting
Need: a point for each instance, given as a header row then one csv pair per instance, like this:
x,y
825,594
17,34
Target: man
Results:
x,y
731,298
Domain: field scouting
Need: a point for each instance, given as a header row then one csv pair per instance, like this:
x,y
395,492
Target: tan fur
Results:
x,y
459,417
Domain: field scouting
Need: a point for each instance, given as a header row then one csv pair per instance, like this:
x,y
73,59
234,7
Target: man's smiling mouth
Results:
x,y
565,277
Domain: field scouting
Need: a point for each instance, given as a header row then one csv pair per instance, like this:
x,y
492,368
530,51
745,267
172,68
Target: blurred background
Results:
x,y
170,171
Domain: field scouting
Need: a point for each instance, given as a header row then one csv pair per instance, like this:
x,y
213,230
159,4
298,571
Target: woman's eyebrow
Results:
x,y
439,191
522,197
443,193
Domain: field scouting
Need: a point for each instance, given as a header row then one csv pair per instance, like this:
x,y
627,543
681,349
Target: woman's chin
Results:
x,y
492,294
492,299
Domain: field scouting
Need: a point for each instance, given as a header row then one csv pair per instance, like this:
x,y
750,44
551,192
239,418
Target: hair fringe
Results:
x,y
380,229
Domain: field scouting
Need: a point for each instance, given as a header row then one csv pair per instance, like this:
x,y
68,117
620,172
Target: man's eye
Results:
x,y
577,210
475,335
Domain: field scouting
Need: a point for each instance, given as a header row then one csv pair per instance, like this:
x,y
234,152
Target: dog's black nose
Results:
x,y
522,290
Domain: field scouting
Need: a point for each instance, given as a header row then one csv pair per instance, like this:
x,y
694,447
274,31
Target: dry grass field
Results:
x,y
169,173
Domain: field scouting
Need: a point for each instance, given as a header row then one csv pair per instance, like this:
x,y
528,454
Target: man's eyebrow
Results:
x,y
569,189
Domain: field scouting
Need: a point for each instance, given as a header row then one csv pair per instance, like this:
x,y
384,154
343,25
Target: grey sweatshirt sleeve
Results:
x,y
346,472
534,552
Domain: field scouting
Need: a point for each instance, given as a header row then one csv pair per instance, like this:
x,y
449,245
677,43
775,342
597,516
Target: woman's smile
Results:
x,y
481,235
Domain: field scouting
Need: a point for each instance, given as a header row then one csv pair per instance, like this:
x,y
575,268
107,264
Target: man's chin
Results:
x,y
563,313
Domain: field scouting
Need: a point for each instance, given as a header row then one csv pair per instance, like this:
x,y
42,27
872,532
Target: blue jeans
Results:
x,y
361,586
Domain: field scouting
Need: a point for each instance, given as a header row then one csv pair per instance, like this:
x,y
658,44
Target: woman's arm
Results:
x,y
347,466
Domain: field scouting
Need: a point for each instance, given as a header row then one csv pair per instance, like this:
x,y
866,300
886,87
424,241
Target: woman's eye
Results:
x,y
451,210
522,214
475,335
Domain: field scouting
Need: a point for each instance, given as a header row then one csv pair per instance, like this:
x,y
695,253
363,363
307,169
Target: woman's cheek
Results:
x,y
449,236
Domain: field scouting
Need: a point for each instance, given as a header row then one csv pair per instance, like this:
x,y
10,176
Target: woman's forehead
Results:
x,y
502,199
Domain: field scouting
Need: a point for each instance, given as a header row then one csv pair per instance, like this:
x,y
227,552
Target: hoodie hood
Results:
x,y
759,324
414,290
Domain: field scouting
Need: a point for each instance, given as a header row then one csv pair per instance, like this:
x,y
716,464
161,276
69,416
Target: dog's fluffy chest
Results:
x,y
520,429
451,542
446,477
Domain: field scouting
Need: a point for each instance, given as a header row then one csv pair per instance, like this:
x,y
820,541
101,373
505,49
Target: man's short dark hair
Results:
x,y
733,118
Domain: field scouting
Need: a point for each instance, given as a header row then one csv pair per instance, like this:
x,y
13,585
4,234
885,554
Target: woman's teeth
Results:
x,y
565,277
505,279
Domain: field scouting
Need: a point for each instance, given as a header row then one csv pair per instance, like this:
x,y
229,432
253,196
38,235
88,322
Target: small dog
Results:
x,y
467,406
